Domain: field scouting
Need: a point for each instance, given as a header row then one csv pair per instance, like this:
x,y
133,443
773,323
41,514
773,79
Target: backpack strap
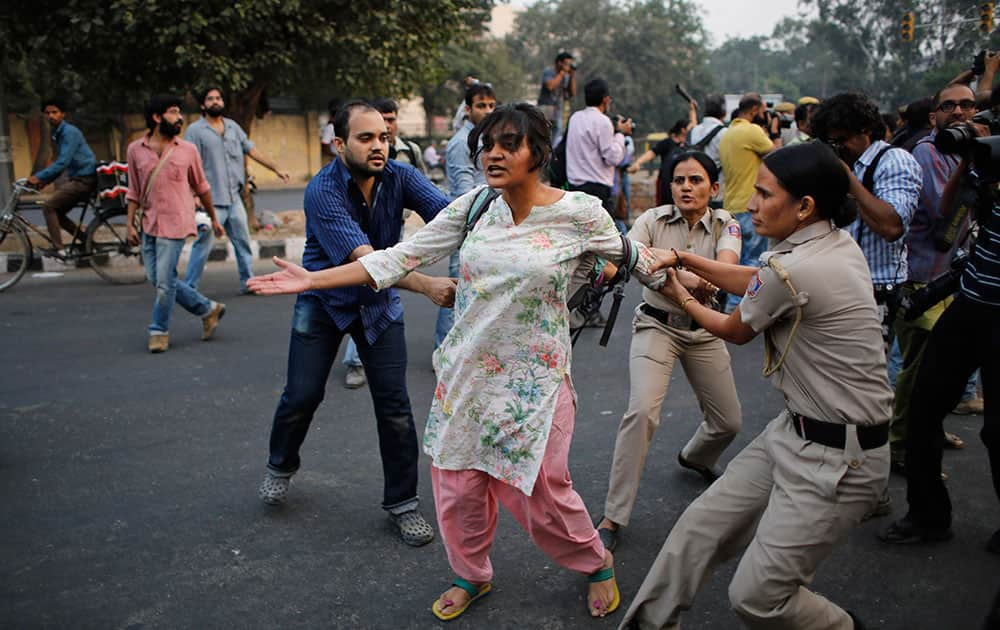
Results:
x,y
704,142
484,199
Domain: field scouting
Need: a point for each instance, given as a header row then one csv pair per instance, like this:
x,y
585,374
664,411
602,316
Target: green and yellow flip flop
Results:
x,y
603,576
474,594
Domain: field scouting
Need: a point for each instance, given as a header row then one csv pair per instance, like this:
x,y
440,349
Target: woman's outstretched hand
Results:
x,y
291,279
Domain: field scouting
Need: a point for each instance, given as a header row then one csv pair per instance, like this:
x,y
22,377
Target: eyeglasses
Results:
x,y
949,106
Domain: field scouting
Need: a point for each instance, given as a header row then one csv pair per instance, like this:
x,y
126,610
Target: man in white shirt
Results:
x,y
707,135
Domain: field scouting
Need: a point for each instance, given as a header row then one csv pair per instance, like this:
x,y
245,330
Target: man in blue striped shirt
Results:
x,y
886,185
353,206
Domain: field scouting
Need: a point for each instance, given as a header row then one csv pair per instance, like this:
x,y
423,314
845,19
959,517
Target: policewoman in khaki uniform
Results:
x,y
794,492
663,333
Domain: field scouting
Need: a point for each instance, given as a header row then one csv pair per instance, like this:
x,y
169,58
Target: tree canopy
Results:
x,y
109,56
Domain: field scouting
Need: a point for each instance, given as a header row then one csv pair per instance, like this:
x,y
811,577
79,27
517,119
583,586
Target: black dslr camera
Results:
x,y
916,304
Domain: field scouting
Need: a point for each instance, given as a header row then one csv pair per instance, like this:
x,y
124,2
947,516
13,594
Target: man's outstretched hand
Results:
x,y
441,291
291,279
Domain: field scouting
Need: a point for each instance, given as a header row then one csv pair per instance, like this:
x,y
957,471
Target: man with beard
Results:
x,y
222,143
165,174
353,206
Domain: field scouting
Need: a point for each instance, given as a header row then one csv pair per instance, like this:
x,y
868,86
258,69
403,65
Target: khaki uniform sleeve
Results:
x,y
731,238
766,300
640,231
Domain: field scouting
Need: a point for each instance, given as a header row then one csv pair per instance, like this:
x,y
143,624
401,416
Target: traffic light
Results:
x,y
906,27
986,18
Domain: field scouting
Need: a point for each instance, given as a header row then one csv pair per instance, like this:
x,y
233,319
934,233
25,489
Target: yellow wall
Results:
x,y
290,140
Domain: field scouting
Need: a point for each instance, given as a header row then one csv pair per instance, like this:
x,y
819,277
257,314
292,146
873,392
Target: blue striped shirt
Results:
x,y
897,181
335,210
981,279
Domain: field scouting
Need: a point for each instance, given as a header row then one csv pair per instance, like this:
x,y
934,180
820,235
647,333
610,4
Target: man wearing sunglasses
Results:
x,y
953,106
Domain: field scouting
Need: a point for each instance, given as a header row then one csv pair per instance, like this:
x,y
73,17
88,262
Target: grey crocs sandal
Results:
x,y
413,528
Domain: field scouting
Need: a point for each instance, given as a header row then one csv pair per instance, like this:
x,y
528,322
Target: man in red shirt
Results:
x,y
165,173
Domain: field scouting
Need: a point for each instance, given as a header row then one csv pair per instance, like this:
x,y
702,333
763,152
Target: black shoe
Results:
x,y
857,622
906,532
993,546
609,537
708,474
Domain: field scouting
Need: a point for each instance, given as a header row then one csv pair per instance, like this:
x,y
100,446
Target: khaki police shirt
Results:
x,y
665,227
835,369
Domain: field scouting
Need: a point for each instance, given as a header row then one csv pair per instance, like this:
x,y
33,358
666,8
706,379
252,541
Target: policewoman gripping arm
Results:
x,y
794,492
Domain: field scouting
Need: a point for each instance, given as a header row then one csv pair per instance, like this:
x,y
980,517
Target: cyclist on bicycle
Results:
x,y
75,158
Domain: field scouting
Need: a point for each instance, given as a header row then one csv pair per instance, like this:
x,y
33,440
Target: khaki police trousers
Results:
x,y
788,502
655,348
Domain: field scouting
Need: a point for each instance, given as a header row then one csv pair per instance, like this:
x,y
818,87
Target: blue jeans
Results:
x,y
894,361
160,256
351,358
315,339
446,316
234,220
753,246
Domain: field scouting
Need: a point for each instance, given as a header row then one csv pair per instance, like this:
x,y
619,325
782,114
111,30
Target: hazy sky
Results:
x,y
728,18
722,18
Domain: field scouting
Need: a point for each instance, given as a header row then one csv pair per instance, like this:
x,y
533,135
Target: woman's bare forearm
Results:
x,y
730,278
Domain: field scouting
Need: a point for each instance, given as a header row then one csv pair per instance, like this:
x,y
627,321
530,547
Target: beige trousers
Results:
x,y
655,348
788,502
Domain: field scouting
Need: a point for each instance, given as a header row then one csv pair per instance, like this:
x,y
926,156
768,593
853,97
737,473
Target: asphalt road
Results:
x,y
129,481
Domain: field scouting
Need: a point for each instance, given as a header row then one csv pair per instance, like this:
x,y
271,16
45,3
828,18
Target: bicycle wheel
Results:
x,y
109,252
15,255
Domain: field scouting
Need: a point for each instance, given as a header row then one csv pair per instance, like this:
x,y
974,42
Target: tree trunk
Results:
x,y
242,107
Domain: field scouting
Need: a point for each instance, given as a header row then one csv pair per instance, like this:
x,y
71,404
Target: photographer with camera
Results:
x,y
595,146
926,257
886,183
966,337
558,86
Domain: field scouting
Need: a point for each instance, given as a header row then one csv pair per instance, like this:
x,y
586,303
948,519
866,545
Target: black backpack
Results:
x,y
557,163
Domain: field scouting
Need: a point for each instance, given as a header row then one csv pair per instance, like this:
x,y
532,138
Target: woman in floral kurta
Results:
x,y
501,418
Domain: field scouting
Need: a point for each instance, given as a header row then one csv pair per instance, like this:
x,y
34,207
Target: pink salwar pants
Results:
x,y
554,515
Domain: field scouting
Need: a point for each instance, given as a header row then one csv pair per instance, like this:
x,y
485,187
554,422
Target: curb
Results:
x,y
222,251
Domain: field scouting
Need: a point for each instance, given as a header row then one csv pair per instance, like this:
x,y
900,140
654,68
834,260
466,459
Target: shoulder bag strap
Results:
x,y
149,185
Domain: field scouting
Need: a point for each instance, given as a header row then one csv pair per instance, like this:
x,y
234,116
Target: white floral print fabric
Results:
x,y
500,367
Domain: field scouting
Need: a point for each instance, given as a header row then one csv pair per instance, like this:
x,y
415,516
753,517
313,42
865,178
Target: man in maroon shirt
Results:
x,y
165,173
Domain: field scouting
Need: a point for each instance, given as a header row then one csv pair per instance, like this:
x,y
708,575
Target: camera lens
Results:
x,y
954,139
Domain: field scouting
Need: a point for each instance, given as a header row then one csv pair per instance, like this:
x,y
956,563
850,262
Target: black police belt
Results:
x,y
835,435
672,320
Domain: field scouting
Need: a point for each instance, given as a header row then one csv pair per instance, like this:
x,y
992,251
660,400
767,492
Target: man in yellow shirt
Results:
x,y
741,152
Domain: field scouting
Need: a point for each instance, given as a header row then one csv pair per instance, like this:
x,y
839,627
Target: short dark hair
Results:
x,y
813,169
802,111
917,114
679,127
749,101
563,55
54,101
937,95
852,112
481,89
595,91
701,158
342,119
332,106
159,105
715,106
525,120
212,88
385,106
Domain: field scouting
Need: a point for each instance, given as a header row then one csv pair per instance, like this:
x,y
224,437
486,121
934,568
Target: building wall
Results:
x,y
290,140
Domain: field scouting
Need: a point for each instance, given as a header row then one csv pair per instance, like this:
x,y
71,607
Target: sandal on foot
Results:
x,y
953,442
475,593
605,574
609,537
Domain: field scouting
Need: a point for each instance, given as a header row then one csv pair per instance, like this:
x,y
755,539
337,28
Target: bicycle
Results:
x,y
103,243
